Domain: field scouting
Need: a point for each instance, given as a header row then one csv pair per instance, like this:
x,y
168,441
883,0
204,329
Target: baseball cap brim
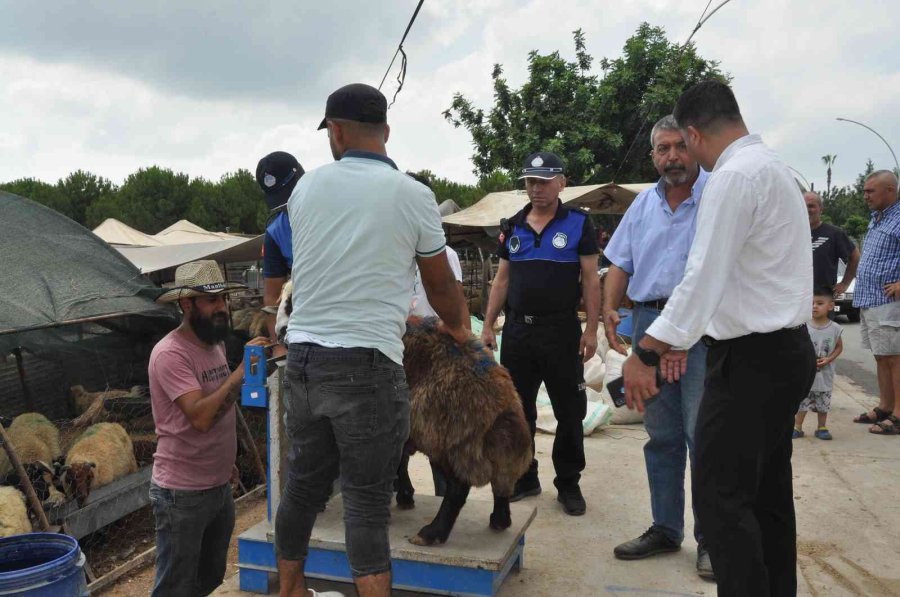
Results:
x,y
323,125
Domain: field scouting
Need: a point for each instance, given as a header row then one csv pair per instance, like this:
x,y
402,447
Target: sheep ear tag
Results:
x,y
254,392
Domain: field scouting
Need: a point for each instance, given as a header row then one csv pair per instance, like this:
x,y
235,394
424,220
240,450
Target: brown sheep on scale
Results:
x,y
466,416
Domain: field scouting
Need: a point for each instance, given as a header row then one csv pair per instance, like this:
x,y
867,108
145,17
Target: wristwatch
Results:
x,y
647,357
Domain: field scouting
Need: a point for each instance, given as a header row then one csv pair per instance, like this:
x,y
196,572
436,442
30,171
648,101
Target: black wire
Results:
x,y
684,47
401,77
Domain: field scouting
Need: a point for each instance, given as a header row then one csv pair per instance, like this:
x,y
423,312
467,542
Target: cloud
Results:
x,y
208,87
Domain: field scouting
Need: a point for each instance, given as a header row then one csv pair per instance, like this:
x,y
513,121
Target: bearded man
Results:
x,y
192,393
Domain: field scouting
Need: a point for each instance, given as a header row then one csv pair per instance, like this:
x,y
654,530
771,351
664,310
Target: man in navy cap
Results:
x,y
548,261
360,228
277,175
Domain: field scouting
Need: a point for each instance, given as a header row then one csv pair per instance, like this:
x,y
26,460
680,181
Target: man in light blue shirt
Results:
x,y
359,227
649,251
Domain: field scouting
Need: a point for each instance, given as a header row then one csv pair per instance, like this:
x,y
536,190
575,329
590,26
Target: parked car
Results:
x,y
843,303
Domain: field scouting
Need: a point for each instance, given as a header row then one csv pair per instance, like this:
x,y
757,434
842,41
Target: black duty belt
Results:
x,y
709,341
543,319
658,304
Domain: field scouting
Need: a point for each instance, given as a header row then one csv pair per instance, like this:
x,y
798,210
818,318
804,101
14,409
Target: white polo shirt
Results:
x,y
358,225
420,305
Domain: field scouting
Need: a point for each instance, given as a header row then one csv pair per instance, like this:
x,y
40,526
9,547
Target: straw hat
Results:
x,y
198,278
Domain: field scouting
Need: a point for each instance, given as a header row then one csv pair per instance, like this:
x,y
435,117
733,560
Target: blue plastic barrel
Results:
x,y
42,565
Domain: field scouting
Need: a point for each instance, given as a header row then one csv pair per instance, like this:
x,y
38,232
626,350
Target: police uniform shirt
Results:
x,y
545,267
278,255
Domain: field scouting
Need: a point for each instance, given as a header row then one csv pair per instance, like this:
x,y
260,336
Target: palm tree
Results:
x,y
828,160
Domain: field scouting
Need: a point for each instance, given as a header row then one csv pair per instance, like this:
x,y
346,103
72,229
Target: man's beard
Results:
x,y
210,330
677,176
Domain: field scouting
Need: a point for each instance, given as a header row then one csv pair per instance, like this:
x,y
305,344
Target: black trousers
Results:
x,y
742,482
549,354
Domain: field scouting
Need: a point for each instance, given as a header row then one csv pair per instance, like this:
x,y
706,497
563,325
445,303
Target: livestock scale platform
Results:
x,y
474,561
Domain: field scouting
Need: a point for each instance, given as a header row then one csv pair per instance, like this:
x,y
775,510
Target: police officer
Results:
x,y
277,175
548,261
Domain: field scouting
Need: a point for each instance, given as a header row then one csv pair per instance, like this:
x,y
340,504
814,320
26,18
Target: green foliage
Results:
x,y
41,192
845,207
82,190
464,194
590,122
152,199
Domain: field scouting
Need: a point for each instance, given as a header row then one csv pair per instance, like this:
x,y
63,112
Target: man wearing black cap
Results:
x,y
277,175
360,227
548,261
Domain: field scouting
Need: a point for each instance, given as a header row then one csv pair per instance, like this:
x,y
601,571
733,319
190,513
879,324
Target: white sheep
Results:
x,y
13,514
36,441
100,455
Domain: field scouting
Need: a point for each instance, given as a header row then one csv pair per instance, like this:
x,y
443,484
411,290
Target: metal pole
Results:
x,y
891,149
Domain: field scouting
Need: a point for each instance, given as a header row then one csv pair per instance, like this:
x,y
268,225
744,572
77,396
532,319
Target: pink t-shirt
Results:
x,y
186,458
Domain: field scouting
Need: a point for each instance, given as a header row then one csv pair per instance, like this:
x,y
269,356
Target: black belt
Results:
x,y
658,304
709,341
543,319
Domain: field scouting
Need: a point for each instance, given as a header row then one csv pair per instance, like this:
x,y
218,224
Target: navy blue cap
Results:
x,y
357,102
542,164
277,175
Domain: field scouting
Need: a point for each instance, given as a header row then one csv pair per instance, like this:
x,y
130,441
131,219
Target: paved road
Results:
x,y
856,362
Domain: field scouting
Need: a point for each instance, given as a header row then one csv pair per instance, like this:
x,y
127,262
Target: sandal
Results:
x,y
889,426
866,418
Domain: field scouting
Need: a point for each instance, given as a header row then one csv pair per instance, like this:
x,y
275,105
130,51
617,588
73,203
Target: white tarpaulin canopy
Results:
x,y
600,199
151,259
116,233
185,232
479,223
180,243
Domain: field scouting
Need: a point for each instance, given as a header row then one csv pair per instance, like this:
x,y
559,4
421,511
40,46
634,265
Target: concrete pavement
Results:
x,y
847,511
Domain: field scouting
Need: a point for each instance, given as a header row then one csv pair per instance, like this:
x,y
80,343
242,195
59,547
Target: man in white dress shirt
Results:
x,y
746,291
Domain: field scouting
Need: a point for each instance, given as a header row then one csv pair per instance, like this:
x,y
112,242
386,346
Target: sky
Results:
x,y
209,86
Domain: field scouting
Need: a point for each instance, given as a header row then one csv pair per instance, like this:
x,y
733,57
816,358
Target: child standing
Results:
x,y
826,338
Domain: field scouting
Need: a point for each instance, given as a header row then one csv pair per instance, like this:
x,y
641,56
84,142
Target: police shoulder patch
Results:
x,y
514,244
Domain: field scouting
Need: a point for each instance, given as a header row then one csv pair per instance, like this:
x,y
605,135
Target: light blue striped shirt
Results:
x,y
652,242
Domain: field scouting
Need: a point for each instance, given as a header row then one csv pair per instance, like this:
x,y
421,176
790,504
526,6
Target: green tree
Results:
x,y
465,195
150,199
40,192
828,160
592,123
81,190
235,203
846,202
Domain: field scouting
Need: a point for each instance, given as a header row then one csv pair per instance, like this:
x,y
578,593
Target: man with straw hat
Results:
x,y
192,393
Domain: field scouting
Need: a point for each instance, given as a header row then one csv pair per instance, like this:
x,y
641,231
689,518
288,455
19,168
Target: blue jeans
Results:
x,y
670,420
193,530
347,414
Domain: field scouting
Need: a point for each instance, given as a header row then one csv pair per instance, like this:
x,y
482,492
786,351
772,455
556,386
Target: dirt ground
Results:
x,y
140,582
846,520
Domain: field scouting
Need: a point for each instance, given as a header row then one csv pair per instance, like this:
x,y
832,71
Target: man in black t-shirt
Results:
x,y
829,244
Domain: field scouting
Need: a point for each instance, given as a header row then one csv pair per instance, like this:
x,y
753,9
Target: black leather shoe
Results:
x,y
526,487
572,501
652,542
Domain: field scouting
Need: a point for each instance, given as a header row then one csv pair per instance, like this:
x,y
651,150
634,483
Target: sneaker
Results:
x,y
572,501
704,565
797,434
652,542
526,487
823,433
313,593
